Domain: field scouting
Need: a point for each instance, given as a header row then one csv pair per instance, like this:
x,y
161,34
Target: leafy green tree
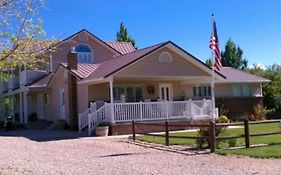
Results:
x,y
122,35
19,28
272,90
232,56
209,62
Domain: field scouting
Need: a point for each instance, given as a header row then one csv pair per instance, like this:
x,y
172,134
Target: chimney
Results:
x,y
72,59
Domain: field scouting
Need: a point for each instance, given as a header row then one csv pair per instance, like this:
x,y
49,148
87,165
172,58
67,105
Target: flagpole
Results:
x,y
213,81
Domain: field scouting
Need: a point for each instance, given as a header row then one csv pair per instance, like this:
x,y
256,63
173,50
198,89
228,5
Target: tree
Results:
x,y
20,27
232,56
122,35
272,90
209,62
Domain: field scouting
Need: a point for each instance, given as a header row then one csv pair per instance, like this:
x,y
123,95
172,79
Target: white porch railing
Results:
x,y
144,111
13,82
28,76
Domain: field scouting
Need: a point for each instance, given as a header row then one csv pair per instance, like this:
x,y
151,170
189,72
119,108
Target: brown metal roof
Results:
x,y
84,70
236,75
109,67
122,47
42,82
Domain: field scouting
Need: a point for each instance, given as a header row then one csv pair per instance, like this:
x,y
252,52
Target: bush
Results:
x,y
233,142
259,113
222,119
205,132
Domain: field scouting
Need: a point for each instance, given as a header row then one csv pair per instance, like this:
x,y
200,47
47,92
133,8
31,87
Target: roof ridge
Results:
x,y
159,44
117,41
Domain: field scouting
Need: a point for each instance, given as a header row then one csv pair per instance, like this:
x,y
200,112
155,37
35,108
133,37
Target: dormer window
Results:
x,y
84,54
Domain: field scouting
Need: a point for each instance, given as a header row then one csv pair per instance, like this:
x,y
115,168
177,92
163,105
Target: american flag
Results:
x,y
214,46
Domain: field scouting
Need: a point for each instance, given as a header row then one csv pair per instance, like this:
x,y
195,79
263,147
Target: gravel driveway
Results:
x,y
19,155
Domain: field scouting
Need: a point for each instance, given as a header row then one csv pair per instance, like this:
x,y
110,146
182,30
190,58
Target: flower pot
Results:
x,y
102,130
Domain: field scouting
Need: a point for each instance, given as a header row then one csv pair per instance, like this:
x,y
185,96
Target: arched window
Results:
x,y
84,54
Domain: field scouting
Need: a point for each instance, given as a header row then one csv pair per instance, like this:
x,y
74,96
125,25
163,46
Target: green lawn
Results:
x,y
274,141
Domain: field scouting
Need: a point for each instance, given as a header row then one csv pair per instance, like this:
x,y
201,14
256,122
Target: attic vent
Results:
x,y
82,38
165,57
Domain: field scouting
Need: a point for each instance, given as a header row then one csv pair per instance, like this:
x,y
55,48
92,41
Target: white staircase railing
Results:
x,y
92,117
98,116
83,117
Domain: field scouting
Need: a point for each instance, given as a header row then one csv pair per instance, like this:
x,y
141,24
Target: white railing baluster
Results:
x,y
124,112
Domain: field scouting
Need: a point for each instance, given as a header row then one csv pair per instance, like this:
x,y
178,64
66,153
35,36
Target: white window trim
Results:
x,y
84,53
163,60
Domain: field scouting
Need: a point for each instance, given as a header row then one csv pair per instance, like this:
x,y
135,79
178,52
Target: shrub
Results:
x,y
222,119
259,113
205,132
233,142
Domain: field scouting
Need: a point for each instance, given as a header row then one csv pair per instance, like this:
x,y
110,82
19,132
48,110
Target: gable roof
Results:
x,y
92,35
42,82
109,67
239,76
89,72
122,47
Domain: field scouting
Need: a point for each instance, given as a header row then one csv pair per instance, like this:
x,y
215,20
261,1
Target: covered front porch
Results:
x,y
164,83
122,100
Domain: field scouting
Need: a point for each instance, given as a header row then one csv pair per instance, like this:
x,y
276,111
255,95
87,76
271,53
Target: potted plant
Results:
x,y
102,129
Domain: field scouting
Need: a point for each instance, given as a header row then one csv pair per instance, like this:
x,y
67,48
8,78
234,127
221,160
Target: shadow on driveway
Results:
x,y
44,134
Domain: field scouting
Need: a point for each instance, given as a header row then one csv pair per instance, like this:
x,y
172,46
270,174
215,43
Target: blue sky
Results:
x,y
255,25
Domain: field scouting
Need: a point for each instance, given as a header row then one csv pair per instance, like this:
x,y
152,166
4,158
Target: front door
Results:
x,y
166,92
62,104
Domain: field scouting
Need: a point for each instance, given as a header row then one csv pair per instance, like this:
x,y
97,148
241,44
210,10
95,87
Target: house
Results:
x,y
87,80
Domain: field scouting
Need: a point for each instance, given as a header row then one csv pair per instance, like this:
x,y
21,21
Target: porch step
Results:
x,y
40,124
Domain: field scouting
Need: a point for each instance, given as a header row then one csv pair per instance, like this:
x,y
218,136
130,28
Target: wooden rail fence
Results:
x,y
212,129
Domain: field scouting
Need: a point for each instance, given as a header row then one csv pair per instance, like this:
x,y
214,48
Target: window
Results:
x,y
165,57
202,91
84,54
241,90
128,93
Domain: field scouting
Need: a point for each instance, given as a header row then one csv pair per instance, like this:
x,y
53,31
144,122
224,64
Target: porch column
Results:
x,y
25,120
111,100
21,108
13,107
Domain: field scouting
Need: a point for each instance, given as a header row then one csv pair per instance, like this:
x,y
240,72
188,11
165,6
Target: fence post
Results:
x,y
167,133
212,136
247,133
167,110
133,130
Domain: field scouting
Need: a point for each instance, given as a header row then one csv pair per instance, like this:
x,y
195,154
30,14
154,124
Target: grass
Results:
x,y
273,141
270,151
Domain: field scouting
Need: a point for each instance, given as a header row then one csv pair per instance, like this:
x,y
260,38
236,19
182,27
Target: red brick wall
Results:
x,y
238,106
73,111
126,128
